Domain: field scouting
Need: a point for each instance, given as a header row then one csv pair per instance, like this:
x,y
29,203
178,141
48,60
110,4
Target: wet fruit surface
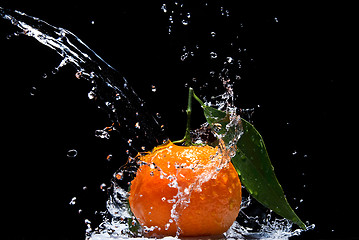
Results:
x,y
186,191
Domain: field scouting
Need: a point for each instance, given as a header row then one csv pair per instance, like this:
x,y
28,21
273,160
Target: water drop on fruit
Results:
x,y
167,226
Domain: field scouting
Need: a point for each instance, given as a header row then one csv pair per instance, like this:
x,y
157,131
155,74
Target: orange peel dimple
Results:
x,y
180,191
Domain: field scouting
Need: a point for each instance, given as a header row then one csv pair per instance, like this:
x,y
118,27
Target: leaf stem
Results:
x,y
187,137
198,100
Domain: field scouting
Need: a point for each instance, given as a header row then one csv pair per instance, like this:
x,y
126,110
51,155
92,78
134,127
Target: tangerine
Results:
x,y
185,191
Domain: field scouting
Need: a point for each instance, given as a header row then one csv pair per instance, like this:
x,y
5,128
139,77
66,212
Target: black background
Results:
x,y
296,74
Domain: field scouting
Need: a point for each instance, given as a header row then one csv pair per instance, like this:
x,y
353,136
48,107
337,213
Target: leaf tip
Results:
x,y
302,225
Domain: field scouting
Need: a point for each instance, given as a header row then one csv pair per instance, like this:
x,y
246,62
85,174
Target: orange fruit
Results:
x,y
185,191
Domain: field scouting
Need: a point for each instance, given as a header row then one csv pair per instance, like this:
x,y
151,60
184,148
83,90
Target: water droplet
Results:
x,y
78,74
119,176
91,95
33,91
213,34
164,8
109,104
224,12
72,153
294,153
227,13
213,55
102,134
153,88
184,56
44,75
73,201
54,71
109,157
92,22
103,187
229,59
276,19
185,22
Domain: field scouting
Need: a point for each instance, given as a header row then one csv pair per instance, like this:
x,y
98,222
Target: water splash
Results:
x,y
113,94
110,90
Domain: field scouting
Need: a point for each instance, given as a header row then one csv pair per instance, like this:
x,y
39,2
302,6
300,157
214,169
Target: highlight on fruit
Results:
x,y
186,188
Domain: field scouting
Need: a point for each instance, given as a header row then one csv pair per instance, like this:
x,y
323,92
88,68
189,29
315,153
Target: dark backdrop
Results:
x,y
295,74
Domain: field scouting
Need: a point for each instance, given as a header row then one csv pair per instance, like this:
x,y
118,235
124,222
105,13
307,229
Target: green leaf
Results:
x,y
252,162
257,174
